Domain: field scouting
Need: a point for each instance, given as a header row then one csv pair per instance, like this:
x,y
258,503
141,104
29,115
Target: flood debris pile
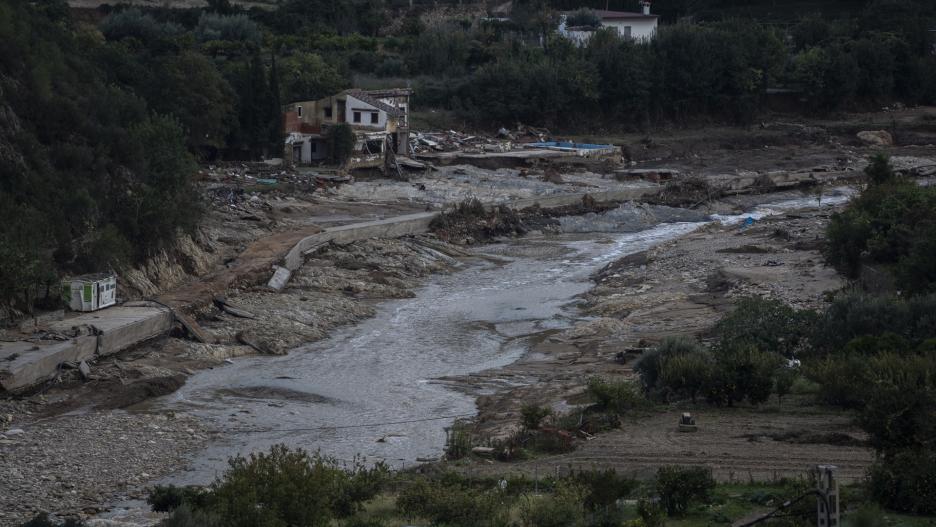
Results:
x,y
330,290
686,192
454,141
470,221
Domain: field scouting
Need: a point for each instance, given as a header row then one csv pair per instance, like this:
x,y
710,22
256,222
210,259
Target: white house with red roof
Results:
x,y
638,26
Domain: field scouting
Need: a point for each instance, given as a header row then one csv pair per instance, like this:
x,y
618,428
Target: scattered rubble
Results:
x,y
73,464
452,141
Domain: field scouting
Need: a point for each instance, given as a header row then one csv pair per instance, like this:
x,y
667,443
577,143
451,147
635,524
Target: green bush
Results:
x,y
617,395
898,401
688,374
906,481
341,143
563,508
783,382
679,487
889,225
282,487
452,504
857,315
739,374
583,17
840,378
651,513
532,415
170,497
650,364
603,488
768,325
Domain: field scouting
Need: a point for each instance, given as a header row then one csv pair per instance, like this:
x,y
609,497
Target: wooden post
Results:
x,y
828,499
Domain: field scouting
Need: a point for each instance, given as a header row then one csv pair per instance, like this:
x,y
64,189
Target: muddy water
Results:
x,y
369,390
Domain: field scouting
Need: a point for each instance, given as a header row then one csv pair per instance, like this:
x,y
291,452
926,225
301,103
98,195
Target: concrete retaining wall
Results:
x,y
388,228
419,223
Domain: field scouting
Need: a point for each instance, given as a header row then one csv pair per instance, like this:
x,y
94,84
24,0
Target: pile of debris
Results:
x,y
270,174
453,141
685,192
246,174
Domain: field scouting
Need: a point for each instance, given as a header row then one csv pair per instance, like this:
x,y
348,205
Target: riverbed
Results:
x,y
370,390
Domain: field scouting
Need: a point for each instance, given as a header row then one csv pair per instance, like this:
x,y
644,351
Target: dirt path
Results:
x,y
734,443
258,258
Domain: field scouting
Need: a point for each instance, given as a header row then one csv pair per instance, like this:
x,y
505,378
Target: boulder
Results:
x,y
876,138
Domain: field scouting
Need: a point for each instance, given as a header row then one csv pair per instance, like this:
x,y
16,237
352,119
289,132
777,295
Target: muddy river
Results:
x,y
370,390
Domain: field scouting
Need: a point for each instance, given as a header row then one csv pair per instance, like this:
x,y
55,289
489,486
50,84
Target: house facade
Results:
x,y
637,26
374,115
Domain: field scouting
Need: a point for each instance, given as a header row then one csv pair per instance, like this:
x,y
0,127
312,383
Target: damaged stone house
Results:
x,y
379,118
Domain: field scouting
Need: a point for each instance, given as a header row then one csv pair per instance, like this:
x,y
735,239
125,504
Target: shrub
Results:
x,y
768,325
290,487
341,142
840,378
603,487
898,401
687,374
889,225
213,26
651,513
783,382
451,504
583,17
679,487
738,374
879,170
856,315
532,415
170,497
650,364
617,396
906,481
458,443
564,508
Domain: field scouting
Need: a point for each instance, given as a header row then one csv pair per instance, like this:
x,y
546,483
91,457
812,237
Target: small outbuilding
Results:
x,y
90,292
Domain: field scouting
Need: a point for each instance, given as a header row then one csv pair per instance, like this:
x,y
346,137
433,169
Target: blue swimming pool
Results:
x,y
577,146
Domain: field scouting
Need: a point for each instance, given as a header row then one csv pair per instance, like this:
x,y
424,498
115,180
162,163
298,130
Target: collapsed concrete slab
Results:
x,y
120,327
25,364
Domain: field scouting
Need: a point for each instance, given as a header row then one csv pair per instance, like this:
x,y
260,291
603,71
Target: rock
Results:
x,y
84,370
279,279
876,137
14,432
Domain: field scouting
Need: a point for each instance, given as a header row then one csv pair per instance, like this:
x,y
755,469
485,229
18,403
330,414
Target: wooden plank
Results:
x,y
196,331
